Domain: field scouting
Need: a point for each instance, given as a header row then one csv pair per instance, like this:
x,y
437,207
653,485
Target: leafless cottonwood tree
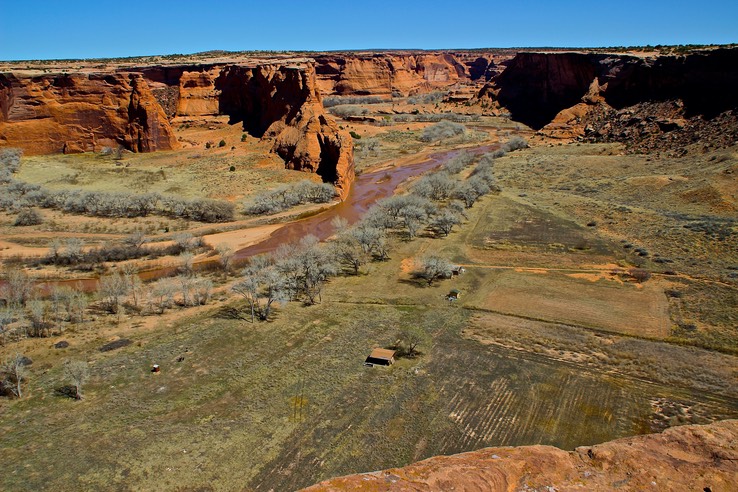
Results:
x,y
14,373
432,268
18,288
261,286
225,258
78,372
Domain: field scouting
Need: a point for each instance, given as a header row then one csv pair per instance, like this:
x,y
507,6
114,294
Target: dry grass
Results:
x,y
284,404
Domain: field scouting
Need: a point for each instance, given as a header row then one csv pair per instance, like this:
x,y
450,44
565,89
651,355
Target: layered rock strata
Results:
x,y
74,113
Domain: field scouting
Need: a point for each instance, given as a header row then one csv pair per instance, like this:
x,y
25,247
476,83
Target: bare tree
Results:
x,y
414,217
135,240
38,315
350,252
78,372
186,260
262,285
314,266
445,221
112,289
436,186
184,240
76,306
225,258
73,250
18,287
409,338
201,291
130,273
432,268
161,294
14,373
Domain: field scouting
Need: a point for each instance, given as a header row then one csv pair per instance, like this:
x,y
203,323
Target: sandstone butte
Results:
x,y
688,458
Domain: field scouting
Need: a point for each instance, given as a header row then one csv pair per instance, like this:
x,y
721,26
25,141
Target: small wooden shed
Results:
x,y
453,295
381,357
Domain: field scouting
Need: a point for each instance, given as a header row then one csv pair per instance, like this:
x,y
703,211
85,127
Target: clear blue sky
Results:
x,y
47,29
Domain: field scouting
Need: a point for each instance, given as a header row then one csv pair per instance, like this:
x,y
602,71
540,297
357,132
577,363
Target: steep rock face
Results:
x,y
681,458
283,103
81,112
382,74
559,89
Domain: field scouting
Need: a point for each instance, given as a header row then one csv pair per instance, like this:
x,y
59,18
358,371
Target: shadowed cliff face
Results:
x,y
81,113
536,87
283,103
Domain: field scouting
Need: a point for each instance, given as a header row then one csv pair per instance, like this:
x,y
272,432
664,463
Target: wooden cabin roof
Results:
x,y
380,353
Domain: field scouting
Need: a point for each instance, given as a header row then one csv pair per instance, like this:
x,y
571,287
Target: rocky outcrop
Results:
x,y
132,107
703,458
383,74
554,92
81,113
283,103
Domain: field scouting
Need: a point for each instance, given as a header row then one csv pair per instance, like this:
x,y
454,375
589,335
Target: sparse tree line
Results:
x,y
432,118
437,202
429,98
16,195
28,314
14,373
71,252
288,196
331,101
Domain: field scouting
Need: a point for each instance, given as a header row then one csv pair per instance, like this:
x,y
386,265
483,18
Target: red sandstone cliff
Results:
x,y
555,92
81,113
700,458
382,74
275,101
84,112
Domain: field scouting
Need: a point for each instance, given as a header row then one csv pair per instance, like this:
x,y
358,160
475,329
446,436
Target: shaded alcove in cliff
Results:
x,y
705,82
330,153
536,86
249,97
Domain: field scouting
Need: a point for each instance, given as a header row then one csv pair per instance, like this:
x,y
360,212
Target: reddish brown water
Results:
x,y
366,190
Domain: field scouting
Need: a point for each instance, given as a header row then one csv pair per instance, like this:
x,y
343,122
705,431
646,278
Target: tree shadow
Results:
x,y
66,391
229,312
418,283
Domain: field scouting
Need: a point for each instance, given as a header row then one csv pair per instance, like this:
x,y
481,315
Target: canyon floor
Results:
x,y
551,342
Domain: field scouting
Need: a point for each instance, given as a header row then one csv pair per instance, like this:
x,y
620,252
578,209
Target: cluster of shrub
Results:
x,y
331,101
429,98
288,196
72,252
434,118
442,131
348,110
20,196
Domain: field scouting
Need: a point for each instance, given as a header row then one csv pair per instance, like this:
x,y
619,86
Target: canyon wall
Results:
x,y
382,74
693,457
133,107
555,92
275,101
73,113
